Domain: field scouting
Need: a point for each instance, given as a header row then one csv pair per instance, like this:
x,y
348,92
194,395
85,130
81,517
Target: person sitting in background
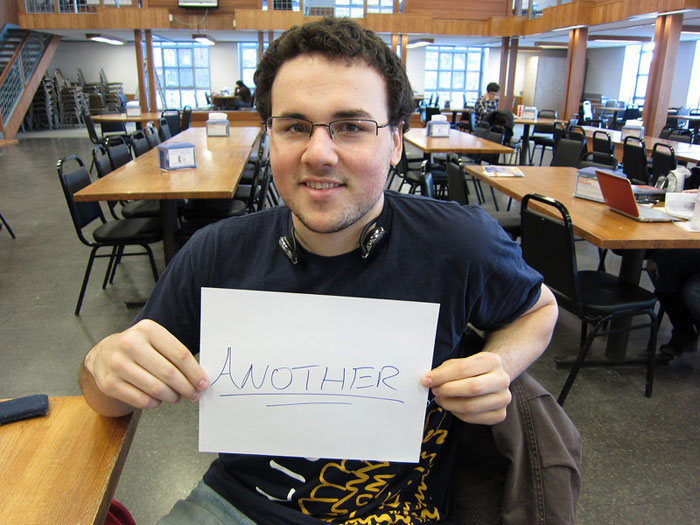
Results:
x,y
244,98
488,102
676,277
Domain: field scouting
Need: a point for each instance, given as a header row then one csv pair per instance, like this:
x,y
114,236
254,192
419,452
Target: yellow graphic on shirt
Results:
x,y
342,494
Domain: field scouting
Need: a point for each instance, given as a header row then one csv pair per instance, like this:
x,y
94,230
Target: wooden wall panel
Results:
x,y
565,15
268,20
132,18
398,23
58,21
464,9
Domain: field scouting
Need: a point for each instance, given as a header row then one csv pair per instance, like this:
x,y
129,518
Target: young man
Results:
x,y
488,102
336,100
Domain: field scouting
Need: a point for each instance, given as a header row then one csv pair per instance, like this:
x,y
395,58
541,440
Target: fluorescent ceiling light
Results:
x,y
552,45
615,39
420,42
568,28
105,39
203,39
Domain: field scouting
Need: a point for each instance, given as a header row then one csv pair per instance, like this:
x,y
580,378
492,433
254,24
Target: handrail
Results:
x,y
18,72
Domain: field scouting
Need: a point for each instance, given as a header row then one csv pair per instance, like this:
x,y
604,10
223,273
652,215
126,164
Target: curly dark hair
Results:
x,y
336,38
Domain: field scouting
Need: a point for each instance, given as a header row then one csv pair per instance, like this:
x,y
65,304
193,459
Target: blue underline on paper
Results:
x,y
278,394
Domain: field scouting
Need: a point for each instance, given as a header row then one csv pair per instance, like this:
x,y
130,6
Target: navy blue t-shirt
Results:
x,y
435,252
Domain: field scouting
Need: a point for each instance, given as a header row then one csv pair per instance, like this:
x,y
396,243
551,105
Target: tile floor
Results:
x,y
641,456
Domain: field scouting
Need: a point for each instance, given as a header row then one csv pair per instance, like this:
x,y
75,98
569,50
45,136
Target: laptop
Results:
x,y
618,195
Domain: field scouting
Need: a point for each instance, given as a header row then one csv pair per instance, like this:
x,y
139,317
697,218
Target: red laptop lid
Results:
x,y
617,192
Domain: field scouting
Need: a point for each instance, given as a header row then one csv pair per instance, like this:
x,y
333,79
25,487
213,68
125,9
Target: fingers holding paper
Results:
x,y
474,388
141,367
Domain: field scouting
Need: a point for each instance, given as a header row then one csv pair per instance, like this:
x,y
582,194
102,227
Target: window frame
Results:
x,y
162,70
457,94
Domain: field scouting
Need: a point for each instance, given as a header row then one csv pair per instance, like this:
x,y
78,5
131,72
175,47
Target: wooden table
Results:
x,y
526,123
457,142
64,467
597,224
220,164
683,151
150,116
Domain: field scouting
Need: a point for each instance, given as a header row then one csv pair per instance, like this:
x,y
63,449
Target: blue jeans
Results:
x,y
204,506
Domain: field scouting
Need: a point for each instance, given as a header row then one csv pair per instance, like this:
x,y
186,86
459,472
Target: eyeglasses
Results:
x,y
345,132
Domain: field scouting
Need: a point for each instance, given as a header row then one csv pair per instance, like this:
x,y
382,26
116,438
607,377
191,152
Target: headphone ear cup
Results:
x,y
371,241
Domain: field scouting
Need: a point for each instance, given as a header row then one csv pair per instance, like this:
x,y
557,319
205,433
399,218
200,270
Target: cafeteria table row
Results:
x,y
597,224
220,162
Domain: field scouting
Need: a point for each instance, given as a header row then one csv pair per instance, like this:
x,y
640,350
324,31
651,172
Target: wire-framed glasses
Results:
x,y
351,131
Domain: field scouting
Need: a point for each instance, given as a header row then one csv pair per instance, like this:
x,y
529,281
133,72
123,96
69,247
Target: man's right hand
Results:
x,y
140,368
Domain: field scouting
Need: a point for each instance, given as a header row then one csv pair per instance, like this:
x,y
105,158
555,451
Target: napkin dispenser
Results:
x,y
133,108
176,155
632,129
438,126
217,125
529,112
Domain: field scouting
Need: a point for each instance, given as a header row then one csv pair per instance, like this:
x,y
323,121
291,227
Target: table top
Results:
x,y
545,121
220,163
64,467
592,220
148,116
682,150
457,142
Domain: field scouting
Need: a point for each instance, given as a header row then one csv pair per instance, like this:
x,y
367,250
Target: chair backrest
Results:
x,y
663,160
152,136
90,125
118,151
82,213
165,133
426,184
186,118
263,188
172,116
481,129
547,244
598,160
602,142
139,143
427,113
568,152
545,128
558,132
681,135
456,183
112,127
102,163
634,159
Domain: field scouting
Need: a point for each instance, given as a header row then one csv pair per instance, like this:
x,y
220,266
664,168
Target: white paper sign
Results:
x,y
314,376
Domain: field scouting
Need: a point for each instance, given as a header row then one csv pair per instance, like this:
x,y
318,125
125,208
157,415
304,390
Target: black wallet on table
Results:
x,y
23,408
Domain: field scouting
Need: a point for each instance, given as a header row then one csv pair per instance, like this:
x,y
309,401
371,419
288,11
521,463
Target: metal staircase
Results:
x,y
24,58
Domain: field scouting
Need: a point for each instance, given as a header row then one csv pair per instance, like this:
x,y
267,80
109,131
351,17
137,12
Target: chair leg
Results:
x,y
601,259
493,195
583,351
85,280
110,264
651,350
9,230
542,155
117,260
153,262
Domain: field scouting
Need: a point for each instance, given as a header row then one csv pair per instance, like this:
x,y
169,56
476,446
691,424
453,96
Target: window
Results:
x,y
454,73
182,70
635,73
280,5
693,99
344,8
380,6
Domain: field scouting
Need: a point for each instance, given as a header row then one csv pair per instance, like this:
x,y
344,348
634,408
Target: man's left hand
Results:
x,y
474,388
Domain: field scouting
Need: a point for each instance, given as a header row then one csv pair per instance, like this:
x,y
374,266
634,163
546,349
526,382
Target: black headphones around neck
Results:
x,y
371,238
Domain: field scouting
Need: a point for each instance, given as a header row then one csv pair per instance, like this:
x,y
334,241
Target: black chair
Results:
x,y
114,235
92,132
543,134
165,133
152,136
427,113
118,151
598,160
602,142
458,191
112,128
595,297
681,135
634,160
186,118
101,161
663,160
172,116
568,153
414,176
9,230
139,143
